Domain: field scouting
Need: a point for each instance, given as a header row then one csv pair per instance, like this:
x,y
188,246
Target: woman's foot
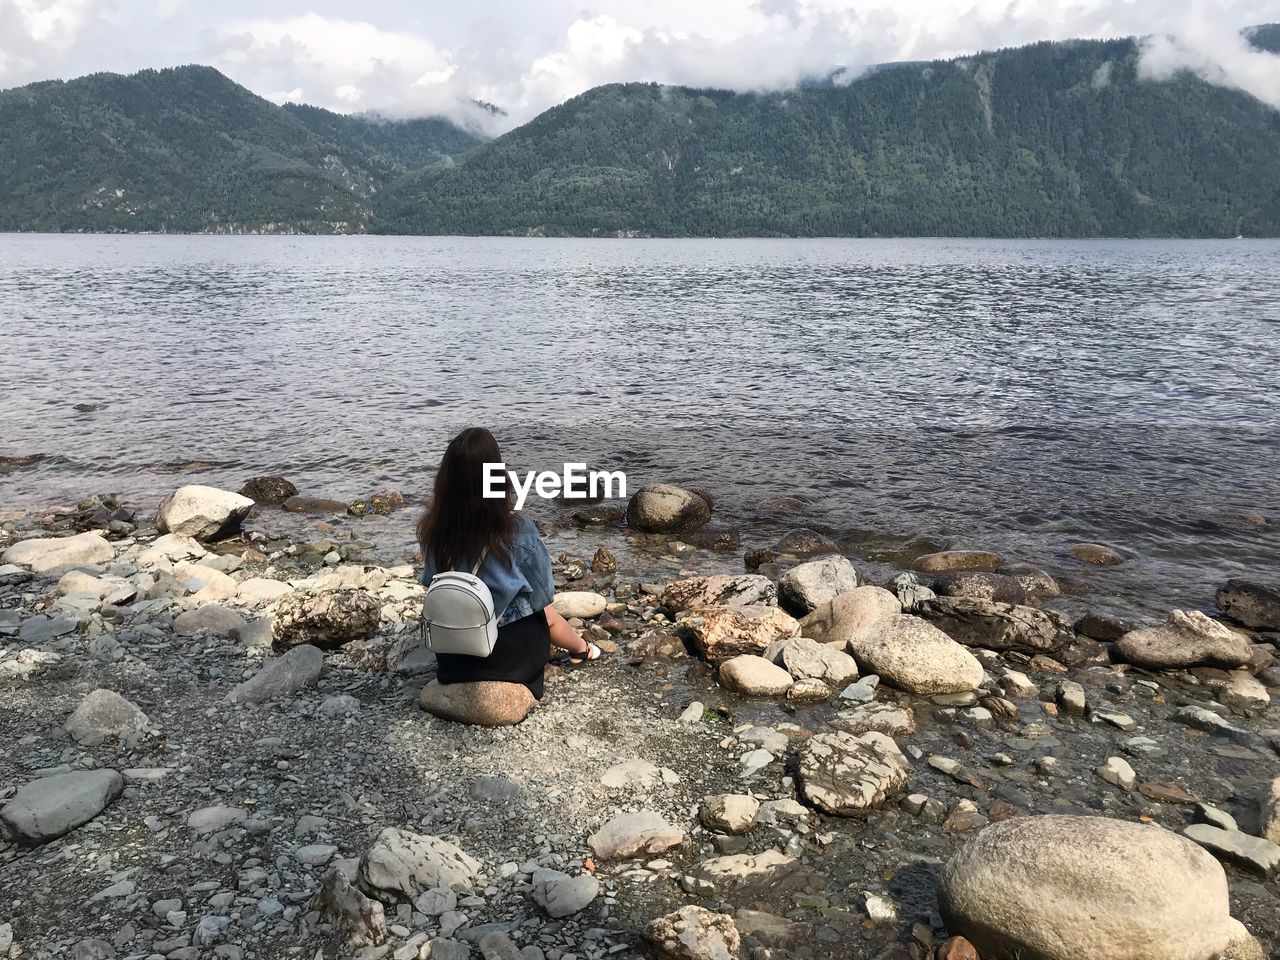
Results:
x,y
591,653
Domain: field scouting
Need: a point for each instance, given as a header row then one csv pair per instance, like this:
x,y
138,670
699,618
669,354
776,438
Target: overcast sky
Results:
x,y
408,58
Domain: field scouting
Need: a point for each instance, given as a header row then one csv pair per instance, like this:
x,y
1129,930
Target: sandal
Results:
x,y
572,661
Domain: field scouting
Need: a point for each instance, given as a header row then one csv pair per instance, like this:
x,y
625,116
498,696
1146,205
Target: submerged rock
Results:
x,y
1096,554
484,703
1187,639
952,560
1251,604
809,585
916,656
844,775
663,508
203,513
979,585
1064,888
805,542
45,809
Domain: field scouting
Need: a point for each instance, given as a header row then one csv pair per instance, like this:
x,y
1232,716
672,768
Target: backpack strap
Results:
x,y
479,563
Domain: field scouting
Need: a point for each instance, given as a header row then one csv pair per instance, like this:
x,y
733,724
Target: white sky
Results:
x,y
407,58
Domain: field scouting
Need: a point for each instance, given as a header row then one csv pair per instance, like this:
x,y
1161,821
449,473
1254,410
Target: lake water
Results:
x,y
1011,394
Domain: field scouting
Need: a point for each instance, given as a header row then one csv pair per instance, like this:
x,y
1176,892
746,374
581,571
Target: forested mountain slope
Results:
x,y
186,149
1054,139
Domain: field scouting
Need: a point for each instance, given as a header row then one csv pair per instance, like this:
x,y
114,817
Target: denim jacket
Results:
x,y
523,588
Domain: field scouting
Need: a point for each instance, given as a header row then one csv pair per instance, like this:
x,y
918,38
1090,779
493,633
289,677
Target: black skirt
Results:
x,y
519,656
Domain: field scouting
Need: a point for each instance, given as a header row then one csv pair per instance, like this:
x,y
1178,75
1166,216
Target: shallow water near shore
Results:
x,y
1020,396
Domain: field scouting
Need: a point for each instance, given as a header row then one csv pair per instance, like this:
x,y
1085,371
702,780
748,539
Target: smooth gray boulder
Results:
x,y
807,586
663,508
1187,639
584,604
1065,887
211,618
103,714
916,656
754,676
1256,854
850,614
408,864
203,513
561,895
47,808
47,555
281,676
807,659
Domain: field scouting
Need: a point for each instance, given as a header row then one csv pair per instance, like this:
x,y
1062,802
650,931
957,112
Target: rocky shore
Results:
x,y
223,740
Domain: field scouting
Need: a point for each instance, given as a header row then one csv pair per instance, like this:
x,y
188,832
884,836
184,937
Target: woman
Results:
x,y
462,526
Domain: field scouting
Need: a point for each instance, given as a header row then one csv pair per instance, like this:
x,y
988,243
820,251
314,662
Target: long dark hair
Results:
x,y
460,521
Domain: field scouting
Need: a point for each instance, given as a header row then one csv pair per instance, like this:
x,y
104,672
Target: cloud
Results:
x,y
1216,53
528,55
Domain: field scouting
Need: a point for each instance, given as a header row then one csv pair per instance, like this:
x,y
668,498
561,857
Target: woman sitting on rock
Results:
x,y
459,528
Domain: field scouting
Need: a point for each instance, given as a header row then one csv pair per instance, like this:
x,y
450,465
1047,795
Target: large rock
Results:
x,y
844,775
719,591
211,618
720,633
1256,854
1066,888
807,659
583,604
1096,554
46,555
484,703
952,560
406,863
729,812
1269,811
1188,638
103,714
916,656
807,586
51,806
694,933
282,676
849,615
634,835
662,508
980,585
562,895
997,626
887,718
326,620
1251,604
205,513
805,542
754,676
269,491
1036,583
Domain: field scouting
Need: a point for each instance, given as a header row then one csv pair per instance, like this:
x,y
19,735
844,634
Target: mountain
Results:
x,y
1053,139
186,149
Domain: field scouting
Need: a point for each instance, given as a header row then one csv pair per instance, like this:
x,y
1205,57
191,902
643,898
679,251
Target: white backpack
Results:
x,y
458,615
